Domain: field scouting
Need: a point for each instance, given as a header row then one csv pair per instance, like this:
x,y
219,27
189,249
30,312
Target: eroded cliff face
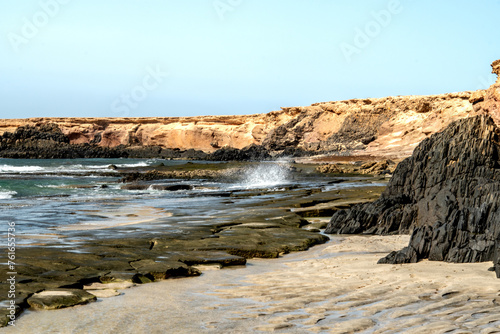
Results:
x,y
201,133
390,126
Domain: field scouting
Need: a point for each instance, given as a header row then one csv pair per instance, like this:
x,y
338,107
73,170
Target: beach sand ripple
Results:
x,y
332,288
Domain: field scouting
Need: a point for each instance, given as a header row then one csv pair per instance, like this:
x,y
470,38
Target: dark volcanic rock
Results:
x,y
250,153
447,193
289,134
47,141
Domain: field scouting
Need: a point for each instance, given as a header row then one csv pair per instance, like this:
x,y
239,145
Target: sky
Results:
x,y
155,58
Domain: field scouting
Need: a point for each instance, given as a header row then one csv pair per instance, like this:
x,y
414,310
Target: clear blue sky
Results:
x,y
110,58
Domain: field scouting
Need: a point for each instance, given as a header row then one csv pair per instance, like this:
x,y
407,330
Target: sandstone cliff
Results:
x,y
390,126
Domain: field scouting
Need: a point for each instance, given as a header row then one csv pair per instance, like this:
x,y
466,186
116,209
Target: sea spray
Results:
x,y
266,175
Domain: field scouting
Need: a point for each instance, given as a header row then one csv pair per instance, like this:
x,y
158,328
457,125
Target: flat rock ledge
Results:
x,y
447,195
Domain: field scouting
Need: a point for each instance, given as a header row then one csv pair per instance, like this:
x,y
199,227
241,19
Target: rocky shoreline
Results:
x,y
50,277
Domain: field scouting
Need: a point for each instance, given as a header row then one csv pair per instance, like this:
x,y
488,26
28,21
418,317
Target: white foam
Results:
x,y
7,194
19,169
76,168
138,164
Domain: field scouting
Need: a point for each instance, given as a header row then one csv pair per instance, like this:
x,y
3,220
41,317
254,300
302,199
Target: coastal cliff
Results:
x,y
386,127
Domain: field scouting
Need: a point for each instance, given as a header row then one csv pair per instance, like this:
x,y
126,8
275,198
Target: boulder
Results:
x,y
59,298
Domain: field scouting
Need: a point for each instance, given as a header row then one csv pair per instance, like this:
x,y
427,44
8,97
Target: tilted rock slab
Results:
x,y
447,193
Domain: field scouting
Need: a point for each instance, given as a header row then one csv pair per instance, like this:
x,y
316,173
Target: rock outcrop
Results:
x,y
388,127
447,194
488,101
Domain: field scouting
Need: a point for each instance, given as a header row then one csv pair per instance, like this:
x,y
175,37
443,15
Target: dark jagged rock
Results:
x,y
250,153
447,193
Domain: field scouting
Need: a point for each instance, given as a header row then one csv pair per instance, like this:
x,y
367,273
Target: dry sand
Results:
x,y
332,288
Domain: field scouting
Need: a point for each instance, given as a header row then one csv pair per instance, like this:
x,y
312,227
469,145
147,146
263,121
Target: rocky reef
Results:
x,y
446,194
389,127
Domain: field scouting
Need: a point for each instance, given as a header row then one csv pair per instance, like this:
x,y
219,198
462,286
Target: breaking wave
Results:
x,y
7,194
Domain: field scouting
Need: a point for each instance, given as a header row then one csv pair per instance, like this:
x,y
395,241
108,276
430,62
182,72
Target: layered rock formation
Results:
x,y
447,194
389,127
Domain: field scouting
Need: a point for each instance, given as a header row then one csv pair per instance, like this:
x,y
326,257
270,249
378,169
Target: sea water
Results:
x,y
51,199
48,199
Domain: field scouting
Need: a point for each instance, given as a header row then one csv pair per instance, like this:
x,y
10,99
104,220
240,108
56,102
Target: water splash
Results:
x,y
266,175
7,194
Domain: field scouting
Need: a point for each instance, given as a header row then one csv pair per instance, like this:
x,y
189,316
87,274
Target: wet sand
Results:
x,y
332,288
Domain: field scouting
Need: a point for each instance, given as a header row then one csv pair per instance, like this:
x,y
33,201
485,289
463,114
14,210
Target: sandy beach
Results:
x,y
332,288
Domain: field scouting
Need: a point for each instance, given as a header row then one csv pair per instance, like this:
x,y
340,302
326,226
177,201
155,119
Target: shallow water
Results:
x,y
50,199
